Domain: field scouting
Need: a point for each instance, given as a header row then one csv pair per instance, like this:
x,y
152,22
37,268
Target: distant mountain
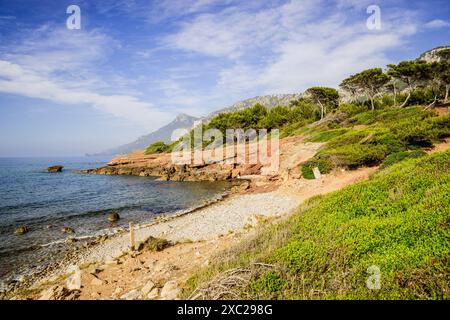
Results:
x,y
182,121
431,55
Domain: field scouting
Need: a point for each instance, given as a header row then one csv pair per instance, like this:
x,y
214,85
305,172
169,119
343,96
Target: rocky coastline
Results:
x,y
161,166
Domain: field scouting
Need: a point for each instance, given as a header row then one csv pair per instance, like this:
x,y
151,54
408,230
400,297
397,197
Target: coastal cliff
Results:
x,y
161,165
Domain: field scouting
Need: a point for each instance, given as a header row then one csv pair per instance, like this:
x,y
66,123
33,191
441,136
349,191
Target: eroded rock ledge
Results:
x,y
161,166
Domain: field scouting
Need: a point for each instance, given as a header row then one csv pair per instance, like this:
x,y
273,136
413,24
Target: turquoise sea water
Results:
x,y
46,202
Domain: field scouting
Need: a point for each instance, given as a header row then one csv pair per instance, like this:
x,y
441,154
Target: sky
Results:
x,y
134,65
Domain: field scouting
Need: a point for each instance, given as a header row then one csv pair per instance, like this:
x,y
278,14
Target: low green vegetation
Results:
x,y
397,221
370,137
322,163
400,156
158,147
154,244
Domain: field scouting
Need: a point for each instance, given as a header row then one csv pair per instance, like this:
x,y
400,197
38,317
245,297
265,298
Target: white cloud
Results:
x,y
234,32
291,46
172,9
437,24
63,66
17,80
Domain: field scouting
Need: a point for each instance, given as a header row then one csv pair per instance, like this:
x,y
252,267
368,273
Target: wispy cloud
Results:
x,y
64,67
437,24
292,45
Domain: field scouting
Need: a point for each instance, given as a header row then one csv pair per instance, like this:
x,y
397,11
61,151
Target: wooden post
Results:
x,y
317,174
132,242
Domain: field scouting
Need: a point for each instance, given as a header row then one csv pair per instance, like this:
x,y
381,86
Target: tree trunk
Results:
x,y
395,94
372,104
406,100
322,110
432,104
447,87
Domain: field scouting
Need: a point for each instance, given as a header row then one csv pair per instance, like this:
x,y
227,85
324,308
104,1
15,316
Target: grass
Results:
x,y
158,147
324,164
398,221
368,138
400,156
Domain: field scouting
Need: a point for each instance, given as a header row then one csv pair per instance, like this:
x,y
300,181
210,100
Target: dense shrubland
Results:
x,y
397,221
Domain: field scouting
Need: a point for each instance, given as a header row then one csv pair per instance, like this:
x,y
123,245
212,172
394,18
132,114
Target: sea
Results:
x,y
47,202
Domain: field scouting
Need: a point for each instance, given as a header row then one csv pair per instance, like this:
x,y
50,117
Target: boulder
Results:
x,y
113,217
55,169
132,295
170,291
59,293
149,286
154,294
21,230
67,230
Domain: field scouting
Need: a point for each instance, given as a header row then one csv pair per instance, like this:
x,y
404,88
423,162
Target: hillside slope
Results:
x,y
397,223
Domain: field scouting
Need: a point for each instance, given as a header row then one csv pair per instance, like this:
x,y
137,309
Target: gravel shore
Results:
x,y
230,215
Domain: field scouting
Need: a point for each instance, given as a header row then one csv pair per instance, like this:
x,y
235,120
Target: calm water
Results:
x,y
46,202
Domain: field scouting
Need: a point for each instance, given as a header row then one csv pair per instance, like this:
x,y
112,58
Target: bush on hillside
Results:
x,y
158,147
396,221
400,156
324,165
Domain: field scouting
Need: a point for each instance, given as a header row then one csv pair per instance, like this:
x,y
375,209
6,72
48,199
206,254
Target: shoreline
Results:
x,y
214,226
79,246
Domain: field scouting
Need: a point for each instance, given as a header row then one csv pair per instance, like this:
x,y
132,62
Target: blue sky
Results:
x,y
134,65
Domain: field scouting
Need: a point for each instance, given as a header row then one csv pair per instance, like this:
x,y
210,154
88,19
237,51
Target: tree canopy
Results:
x,y
326,98
411,73
368,82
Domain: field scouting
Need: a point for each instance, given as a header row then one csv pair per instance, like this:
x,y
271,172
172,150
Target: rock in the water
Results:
x,y
55,169
21,230
67,230
170,291
113,217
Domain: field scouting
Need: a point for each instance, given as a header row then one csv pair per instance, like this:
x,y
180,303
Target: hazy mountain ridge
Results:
x,y
162,134
184,121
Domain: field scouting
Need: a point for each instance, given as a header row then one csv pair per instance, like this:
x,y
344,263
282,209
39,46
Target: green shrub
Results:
x,y
324,164
387,101
158,147
154,244
421,96
353,109
364,118
397,220
295,128
400,156
356,155
385,132
327,135
269,282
